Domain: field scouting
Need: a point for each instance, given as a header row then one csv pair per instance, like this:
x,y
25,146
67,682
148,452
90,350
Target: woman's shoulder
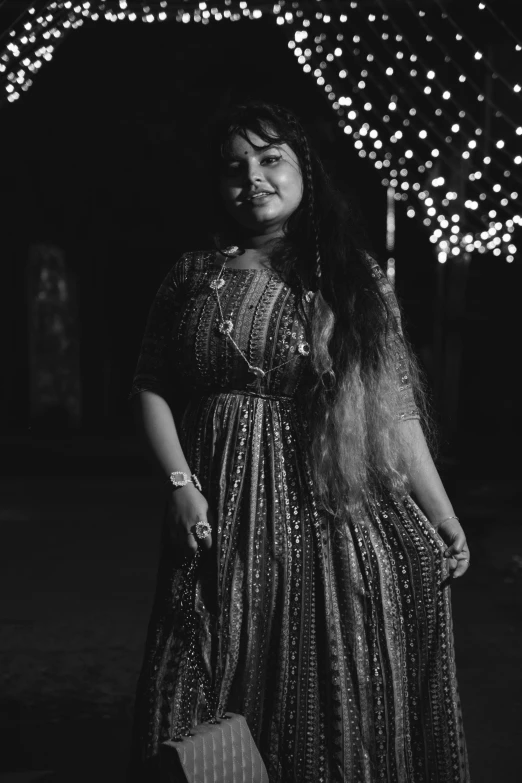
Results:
x,y
190,263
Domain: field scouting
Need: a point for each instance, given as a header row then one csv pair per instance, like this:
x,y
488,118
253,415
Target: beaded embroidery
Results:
x,y
226,327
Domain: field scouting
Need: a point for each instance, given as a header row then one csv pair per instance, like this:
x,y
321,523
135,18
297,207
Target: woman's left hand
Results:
x,y
453,535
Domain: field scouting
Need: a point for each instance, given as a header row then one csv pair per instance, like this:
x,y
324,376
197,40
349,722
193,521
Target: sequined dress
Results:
x,y
337,646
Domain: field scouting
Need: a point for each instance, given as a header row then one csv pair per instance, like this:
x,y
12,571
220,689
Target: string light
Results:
x,y
464,77
433,212
461,35
504,201
392,139
422,133
445,94
486,6
27,47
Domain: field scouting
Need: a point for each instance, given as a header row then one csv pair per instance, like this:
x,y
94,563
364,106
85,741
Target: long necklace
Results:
x,y
226,325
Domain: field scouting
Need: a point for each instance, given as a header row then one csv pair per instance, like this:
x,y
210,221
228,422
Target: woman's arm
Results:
x,y
157,431
428,490
426,484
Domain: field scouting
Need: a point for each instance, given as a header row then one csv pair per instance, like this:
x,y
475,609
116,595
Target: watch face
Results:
x,y
178,478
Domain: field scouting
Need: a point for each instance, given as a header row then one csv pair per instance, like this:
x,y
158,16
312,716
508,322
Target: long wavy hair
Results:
x,y
357,449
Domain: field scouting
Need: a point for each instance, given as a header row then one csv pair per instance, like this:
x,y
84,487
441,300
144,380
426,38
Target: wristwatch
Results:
x,y
180,479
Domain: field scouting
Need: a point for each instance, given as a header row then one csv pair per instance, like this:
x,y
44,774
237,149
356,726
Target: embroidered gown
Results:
x,y
337,647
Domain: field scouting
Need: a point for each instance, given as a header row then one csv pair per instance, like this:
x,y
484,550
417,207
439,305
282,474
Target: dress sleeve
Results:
x,y
154,370
406,406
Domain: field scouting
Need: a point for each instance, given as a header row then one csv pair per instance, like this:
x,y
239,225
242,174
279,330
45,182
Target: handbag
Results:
x,y
218,750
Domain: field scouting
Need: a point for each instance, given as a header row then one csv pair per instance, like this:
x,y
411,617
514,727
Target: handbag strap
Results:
x,y
198,678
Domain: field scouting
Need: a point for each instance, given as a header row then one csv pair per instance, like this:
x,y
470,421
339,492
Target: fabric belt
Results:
x,y
245,393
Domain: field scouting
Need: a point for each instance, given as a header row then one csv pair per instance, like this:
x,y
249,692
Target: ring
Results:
x,y
203,529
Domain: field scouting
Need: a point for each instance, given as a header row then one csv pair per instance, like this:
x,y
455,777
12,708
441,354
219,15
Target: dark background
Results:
x,y
102,158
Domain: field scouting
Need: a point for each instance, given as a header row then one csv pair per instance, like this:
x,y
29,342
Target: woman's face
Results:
x,y
260,185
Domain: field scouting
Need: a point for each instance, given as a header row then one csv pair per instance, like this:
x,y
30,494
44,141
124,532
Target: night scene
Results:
x,y
260,487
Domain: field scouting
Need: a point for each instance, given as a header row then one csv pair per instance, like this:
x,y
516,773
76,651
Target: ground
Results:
x,y
77,572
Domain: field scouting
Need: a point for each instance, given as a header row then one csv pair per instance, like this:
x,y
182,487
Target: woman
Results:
x,y
324,614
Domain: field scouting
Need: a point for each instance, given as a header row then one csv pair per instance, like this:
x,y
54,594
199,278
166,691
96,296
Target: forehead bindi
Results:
x,y
241,148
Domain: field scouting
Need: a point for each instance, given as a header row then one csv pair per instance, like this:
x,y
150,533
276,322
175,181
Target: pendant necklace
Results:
x,y
226,325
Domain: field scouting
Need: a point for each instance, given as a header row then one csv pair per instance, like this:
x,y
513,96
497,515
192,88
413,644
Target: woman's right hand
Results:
x,y
452,534
186,507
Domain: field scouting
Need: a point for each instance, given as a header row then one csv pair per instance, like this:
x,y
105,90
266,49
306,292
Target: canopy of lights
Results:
x,y
418,99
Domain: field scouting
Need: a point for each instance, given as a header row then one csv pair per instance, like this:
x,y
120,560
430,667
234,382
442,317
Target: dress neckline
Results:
x,y
212,265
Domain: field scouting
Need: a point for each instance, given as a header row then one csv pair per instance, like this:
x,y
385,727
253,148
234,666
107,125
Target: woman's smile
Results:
x,y
258,199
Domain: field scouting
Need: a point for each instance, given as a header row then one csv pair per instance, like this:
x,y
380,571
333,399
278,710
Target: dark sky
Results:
x,y
104,158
